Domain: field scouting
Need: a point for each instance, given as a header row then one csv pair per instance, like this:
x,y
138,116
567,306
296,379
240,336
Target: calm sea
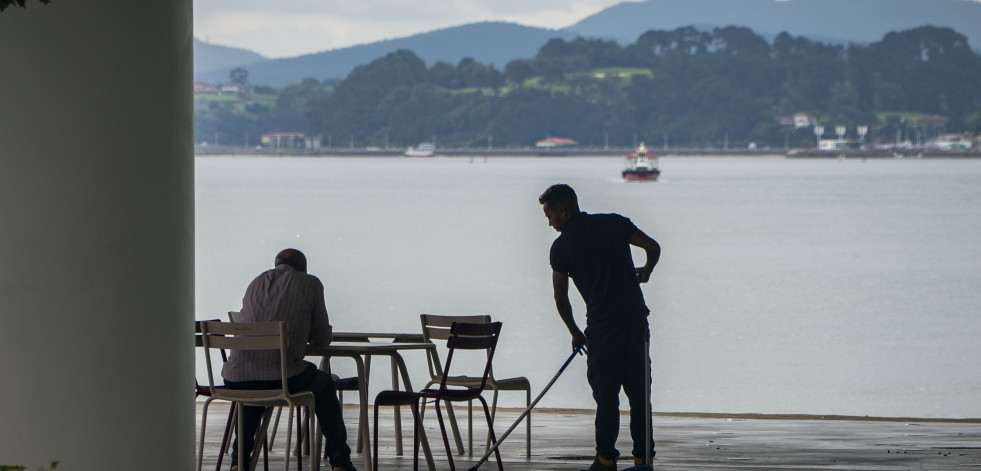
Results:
x,y
785,286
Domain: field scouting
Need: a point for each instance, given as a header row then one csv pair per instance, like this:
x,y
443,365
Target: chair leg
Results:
x,y
493,415
265,444
453,424
416,433
442,430
528,424
239,426
289,438
302,445
455,428
204,424
260,439
490,433
374,445
299,440
470,428
272,441
226,438
316,452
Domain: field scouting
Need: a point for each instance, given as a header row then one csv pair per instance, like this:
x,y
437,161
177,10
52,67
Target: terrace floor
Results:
x,y
562,440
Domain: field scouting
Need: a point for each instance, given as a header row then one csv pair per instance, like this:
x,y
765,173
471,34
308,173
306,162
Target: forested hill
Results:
x,y
859,21
685,86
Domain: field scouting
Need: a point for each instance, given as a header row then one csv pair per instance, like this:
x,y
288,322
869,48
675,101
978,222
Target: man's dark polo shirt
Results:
x,y
594,250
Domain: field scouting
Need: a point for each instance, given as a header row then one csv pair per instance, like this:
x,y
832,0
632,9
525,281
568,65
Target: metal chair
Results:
x,y
301,439
252,336
200,390
462,336
436,327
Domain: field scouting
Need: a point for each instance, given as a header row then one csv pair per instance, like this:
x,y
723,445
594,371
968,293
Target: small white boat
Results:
x,y
425,149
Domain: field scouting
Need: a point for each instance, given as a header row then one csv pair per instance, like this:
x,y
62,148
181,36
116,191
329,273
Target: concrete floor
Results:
x,y
562,440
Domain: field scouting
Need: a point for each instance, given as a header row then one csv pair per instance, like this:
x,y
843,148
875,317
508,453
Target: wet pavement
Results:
x,y
562,440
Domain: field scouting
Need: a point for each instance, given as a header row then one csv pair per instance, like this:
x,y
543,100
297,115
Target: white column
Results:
x,y
96,235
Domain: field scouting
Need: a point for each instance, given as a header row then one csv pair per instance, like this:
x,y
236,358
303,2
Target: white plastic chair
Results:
x,y
252,336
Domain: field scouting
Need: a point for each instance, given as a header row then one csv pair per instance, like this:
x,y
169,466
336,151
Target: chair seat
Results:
x,y
346,384
200,390
512,384
507,384
397,398
453,394
256,398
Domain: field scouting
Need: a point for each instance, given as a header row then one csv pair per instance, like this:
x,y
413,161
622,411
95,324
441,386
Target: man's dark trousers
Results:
x,y
617,358
328,414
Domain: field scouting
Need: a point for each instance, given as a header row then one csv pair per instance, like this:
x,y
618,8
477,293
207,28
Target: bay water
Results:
x,y
785,286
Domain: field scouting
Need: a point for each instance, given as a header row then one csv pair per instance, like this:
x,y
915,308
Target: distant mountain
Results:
x,y
209,57
859,21
830,21
489,43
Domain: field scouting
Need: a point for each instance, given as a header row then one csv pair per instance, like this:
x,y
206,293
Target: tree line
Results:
x,y
686,88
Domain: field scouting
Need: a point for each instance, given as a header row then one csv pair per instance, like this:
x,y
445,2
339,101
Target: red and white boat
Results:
x,y
641,166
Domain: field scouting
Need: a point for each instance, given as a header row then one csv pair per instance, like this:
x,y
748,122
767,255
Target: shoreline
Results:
x,y
231,151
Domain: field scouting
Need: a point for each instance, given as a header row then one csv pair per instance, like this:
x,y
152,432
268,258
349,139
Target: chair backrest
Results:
x,y
200,390
468,336
435,327
235,316
232,336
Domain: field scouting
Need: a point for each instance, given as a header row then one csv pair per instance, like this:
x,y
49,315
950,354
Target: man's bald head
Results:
x,y
293,258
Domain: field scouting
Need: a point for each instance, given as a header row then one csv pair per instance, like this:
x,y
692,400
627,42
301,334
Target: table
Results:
x,y
358,351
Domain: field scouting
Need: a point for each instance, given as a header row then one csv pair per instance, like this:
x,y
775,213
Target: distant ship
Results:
x,y
425,149
640,166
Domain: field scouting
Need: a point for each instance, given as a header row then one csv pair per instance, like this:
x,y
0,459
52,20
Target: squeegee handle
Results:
x,y
526,411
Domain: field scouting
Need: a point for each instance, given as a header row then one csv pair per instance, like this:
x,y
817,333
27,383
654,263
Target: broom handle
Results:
x,y
647,405
527,411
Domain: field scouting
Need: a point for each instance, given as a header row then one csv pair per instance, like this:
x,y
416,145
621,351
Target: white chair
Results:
x,y
436,327
236,316
202,390
252,336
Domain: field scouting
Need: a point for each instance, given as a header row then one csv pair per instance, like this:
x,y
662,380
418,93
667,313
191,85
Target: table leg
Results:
x,y
363,393
364,434
314,424
422,431
398,410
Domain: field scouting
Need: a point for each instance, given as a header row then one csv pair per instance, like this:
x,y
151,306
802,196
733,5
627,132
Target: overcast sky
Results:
x,y
286,28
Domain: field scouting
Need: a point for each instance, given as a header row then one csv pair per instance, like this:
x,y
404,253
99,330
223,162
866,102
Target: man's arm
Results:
x,y
560,291
653,251
320,329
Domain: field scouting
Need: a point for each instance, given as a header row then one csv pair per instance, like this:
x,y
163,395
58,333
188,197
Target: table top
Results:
x,y
367,348
366,336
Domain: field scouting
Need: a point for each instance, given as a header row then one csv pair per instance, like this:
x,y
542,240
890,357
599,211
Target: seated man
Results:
x,y
288,293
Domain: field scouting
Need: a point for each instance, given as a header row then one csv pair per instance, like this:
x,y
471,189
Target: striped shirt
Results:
x,y
281,294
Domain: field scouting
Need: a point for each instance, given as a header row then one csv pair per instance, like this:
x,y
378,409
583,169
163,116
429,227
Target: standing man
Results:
x,y
288,293
594,250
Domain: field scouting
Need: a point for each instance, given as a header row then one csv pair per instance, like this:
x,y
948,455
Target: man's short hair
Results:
x,y
560,195
293,258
